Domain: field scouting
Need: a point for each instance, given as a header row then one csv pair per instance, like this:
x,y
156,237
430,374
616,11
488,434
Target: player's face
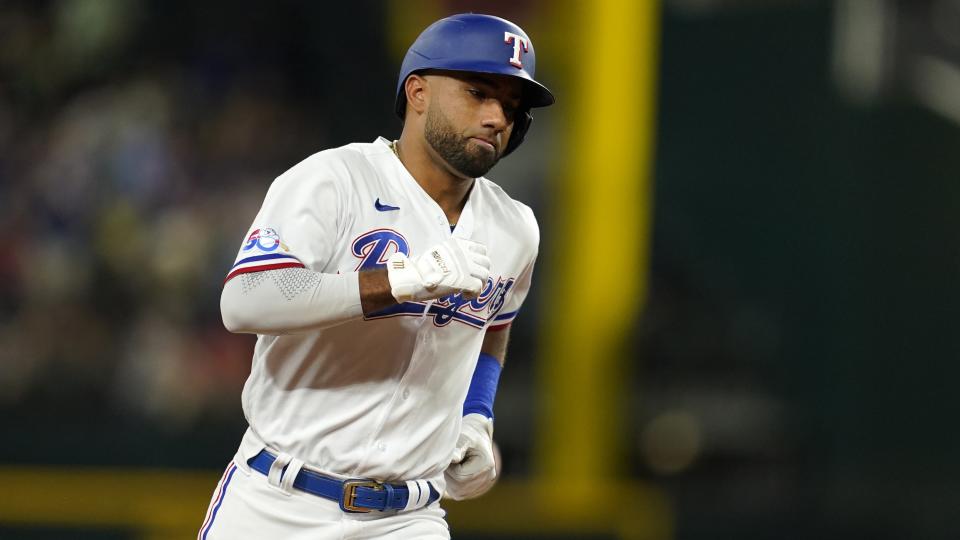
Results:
x,y
470,119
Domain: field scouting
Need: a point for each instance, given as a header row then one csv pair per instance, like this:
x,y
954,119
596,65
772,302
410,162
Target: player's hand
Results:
x,y
472,470
455,266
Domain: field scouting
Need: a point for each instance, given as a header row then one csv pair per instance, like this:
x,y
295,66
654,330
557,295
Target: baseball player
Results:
x,y
381,280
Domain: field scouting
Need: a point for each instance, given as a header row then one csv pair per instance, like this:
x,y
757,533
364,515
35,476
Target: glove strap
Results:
x,y
483,386
405,280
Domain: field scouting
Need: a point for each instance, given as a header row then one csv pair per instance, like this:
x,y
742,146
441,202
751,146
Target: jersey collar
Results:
x,y
466,224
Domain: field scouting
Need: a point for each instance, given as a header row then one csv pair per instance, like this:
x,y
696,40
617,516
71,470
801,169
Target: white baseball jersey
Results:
x,y
381,396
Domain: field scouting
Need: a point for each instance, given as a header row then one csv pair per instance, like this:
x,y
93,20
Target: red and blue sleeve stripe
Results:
x,y
259,263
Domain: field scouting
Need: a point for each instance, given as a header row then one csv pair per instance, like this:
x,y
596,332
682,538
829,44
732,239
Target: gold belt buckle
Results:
x,y
350,494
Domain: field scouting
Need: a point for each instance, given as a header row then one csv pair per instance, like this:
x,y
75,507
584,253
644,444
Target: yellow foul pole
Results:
x,y
598,258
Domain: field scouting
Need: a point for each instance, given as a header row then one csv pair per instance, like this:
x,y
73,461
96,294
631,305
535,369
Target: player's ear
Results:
x,y
417,89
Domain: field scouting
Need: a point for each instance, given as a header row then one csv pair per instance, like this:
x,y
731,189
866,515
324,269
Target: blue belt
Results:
x,y
355,495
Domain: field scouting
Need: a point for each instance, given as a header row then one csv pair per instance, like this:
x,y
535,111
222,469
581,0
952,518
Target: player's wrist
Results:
x,y
375,290
477,424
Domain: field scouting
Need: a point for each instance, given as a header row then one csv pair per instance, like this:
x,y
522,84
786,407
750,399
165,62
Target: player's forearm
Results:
x,y
495,344
289,300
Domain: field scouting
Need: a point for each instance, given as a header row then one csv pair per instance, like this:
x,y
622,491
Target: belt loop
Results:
x,y
288,477
276,469
413,490
424,492
388,496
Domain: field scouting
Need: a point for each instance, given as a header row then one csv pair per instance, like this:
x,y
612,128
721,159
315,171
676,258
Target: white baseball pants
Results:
x,y
245,505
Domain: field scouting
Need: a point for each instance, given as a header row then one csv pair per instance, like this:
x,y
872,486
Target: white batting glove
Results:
x,y
472,470
453,266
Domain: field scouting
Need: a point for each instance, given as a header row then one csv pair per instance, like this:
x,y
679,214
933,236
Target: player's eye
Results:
x,y
510,109
475,93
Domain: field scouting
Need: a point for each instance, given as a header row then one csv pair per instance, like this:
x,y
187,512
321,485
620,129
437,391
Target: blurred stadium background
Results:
x,y
744,320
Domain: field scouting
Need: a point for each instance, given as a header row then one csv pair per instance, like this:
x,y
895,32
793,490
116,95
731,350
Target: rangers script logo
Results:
x,y
375,247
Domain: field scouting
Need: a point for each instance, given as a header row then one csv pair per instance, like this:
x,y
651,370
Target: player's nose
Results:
x,y
494,115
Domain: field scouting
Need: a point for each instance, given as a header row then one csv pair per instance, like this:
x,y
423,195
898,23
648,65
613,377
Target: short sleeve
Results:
x,y
297,225
516,291
513,300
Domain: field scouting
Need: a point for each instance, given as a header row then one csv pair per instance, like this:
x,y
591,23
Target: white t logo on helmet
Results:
x,y
518,42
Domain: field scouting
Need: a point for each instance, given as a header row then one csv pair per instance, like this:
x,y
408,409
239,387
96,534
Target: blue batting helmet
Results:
x,y
479,44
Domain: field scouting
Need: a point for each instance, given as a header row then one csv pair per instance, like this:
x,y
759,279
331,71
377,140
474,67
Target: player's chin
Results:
x,y
473,163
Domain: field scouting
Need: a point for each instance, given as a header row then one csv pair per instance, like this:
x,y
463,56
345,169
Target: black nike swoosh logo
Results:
x,y
384,207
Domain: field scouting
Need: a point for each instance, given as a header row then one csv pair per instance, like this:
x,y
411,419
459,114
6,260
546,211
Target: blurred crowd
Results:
x,y
128,176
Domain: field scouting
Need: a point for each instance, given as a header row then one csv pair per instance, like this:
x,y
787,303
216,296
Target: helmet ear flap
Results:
x,y
520,126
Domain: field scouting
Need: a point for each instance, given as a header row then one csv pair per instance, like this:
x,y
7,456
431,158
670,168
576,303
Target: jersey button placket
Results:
x,y
375,442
